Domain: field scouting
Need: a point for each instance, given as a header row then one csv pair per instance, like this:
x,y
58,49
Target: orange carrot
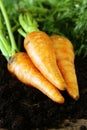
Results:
x,y
65,58
39,47
22,67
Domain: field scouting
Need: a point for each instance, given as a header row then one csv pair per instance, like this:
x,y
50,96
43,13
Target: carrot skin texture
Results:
x,y
39,47
22,67
65,58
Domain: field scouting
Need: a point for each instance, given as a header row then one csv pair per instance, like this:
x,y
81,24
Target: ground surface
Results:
x,y
22,107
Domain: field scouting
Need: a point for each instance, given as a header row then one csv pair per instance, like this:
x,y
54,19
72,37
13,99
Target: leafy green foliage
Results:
x,y
63,17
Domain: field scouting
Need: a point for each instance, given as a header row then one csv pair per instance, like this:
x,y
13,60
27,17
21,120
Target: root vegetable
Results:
x,y
39,47
65,59
22,67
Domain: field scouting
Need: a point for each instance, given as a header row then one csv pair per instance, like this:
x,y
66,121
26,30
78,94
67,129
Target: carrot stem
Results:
x,y
3,49
28,23
7,49
22,32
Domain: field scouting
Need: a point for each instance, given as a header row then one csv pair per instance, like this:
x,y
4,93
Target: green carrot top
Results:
x,y
8,48
27,23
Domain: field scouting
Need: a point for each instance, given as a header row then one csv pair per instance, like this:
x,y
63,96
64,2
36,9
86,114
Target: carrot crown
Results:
x,y
27,23
8,48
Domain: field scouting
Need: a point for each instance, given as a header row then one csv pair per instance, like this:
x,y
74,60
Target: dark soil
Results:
x,y
25,108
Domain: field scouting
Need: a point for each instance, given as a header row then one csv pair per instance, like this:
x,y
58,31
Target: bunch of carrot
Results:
x,y
45,62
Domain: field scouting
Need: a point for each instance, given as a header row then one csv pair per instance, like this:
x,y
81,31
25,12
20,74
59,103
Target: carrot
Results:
x,y
20,65
65,59
29,75
39,47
